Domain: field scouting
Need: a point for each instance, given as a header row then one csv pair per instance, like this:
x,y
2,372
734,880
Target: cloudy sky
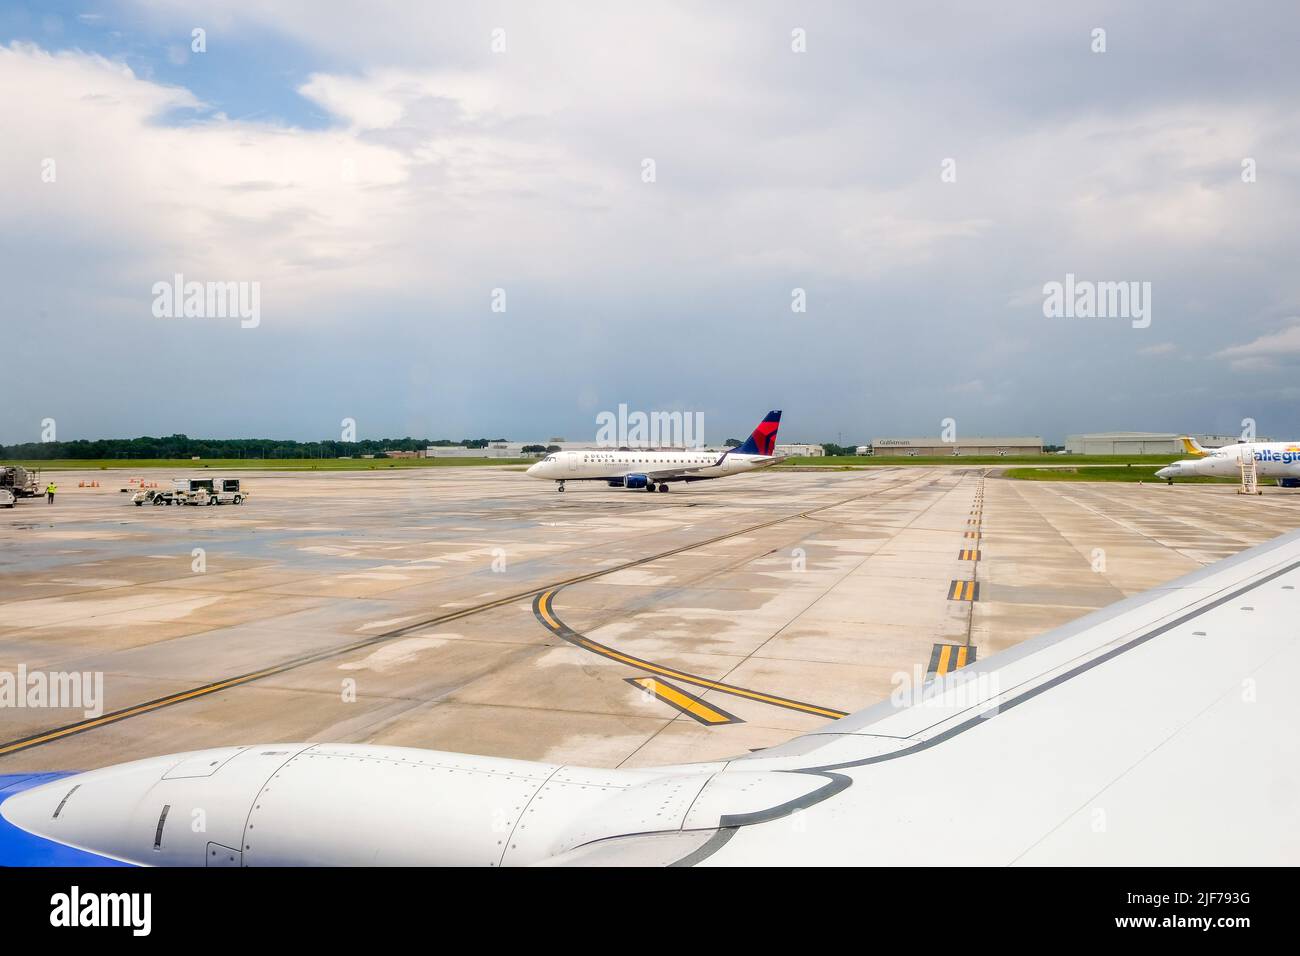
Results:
x,y
919,170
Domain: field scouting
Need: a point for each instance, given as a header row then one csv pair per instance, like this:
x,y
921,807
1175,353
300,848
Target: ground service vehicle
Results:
x,y
20,482
157,496
212,491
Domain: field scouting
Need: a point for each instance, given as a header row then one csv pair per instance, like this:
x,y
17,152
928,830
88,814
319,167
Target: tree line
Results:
x,y
182,446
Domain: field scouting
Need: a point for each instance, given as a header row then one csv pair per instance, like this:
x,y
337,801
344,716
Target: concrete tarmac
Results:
x,y
477,610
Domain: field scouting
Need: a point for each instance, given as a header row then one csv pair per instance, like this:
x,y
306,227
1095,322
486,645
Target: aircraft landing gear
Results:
x,y
559,486
664,486
649,486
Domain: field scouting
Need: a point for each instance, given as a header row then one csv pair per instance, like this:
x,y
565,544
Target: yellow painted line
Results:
x,y
195,692
946,658
131,712
968,554
964,591
684,702
586,643
544,605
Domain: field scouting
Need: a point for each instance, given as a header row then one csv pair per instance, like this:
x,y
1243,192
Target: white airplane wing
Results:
x,y
663,474
1161,730
666,474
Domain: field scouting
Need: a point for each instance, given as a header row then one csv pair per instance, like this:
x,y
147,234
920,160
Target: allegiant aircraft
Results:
x,y
1273,459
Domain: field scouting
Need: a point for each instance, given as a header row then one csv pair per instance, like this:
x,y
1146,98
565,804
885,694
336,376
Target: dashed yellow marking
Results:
x,y
948,657
691,706
964,591
968,554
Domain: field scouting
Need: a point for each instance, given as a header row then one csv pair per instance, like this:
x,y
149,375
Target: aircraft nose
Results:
x,y
532,469
1167,471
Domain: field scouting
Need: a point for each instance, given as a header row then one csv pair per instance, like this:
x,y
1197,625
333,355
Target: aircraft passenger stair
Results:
x,y
1249,475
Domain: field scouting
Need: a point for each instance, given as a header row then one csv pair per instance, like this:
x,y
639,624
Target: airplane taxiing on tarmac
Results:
x,y
653,470
1276,459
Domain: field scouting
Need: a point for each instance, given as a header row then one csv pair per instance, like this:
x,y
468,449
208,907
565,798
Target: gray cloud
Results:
x,y
450,171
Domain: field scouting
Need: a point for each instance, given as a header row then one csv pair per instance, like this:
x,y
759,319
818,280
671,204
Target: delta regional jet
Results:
x,y
653,470
1276,459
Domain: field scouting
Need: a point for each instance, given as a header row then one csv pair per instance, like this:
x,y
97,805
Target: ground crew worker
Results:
x,y
50,489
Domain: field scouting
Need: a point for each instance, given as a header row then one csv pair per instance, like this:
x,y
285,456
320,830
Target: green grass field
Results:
x,y
1135,473
890,461
262,464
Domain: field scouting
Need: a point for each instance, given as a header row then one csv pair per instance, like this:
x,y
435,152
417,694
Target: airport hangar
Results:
x,y
974,445
1141,443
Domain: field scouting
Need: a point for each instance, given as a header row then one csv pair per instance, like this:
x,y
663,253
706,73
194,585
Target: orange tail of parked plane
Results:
x,y
1193,447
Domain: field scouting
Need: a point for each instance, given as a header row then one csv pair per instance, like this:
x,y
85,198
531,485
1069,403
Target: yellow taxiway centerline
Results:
x,y
547,615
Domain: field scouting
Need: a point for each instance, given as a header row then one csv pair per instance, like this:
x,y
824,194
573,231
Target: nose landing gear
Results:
x,y
559,486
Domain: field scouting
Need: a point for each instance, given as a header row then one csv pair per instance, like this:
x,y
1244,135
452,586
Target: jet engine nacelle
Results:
x,y
299,804
363,805
636,481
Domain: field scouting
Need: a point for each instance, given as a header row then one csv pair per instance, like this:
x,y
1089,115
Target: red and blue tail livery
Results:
x,y
763,439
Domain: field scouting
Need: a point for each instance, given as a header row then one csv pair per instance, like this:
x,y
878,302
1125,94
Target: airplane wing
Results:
x,y
667,474
1161,730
